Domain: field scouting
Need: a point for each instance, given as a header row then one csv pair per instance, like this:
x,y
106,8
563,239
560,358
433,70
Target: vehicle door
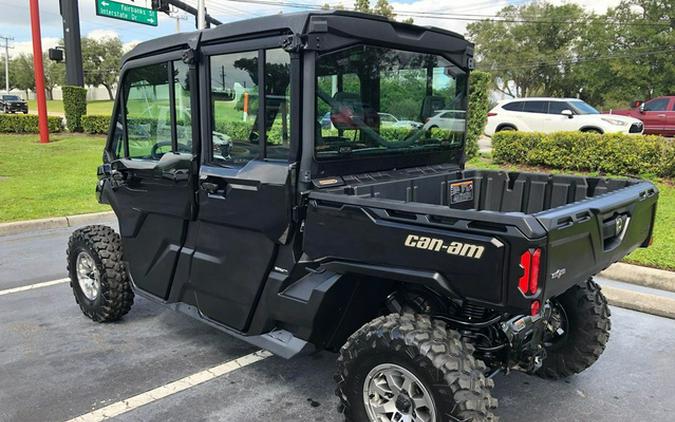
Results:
x,y
654,115
245,178
669,129
149,162
535,116
558,121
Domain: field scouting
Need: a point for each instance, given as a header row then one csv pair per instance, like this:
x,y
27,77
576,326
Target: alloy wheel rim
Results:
x,y
88,276
391,393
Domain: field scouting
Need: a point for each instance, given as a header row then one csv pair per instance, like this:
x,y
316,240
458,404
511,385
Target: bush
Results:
x,y
94,124
578,151
28,123
74,106
479,101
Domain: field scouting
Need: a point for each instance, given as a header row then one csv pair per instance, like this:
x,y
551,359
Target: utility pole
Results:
x,y
201,14
175,14
7,47
39,71
72,43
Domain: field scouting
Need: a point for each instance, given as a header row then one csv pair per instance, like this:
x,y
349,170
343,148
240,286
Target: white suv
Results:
x,y
554,115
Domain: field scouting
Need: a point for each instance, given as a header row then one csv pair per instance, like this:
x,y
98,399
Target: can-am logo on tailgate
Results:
x,y
453,248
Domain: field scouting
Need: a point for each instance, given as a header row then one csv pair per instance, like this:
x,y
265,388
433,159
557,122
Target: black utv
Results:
x,y
260,188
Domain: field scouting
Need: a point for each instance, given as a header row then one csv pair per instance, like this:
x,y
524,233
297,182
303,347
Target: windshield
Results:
x,y
374,100
11,98
582,108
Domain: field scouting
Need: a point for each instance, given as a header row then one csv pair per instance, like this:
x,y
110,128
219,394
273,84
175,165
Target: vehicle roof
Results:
x,y
539,99
291,23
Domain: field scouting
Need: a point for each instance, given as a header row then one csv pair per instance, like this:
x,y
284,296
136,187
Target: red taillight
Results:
x,y
492,114
528,283
535,306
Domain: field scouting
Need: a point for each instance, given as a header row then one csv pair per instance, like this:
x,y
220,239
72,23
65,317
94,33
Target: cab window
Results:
x,y
154,105
234,102
659,104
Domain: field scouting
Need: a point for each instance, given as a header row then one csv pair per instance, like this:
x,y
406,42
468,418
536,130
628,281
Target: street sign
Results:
x,y
126,12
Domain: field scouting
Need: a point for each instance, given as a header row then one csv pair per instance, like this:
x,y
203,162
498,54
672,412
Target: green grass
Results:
x,y
93,107
48,180
662,252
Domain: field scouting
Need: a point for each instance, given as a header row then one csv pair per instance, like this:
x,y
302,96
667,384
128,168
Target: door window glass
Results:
x,y
514,106
147,108
660,104
277,103
557,107
183,115
535,107
234,102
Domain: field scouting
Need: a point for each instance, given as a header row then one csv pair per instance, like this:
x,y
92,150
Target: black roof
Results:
x,y
291,23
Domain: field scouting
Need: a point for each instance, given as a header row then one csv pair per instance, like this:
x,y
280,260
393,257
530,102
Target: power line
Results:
x,y
471,17
624,54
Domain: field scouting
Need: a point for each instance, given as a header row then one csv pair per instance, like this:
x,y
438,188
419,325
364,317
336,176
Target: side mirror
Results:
x,y
567,113
642,108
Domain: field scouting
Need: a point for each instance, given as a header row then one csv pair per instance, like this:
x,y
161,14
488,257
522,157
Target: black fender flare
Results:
x,y
430,279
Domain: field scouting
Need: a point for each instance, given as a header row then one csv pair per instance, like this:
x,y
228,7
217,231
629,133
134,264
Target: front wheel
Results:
x,y
97,273
578,330
411,368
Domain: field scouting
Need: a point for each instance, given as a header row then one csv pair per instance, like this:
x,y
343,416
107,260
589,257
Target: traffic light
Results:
x,y
160,5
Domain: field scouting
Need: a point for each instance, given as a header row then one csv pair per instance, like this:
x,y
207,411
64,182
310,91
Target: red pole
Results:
x,y
39,71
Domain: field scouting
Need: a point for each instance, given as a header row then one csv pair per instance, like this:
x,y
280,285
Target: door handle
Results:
x,y
660,115
210,188
177,175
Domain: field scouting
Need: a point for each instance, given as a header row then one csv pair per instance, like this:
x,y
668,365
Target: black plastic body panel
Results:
x,y
369,218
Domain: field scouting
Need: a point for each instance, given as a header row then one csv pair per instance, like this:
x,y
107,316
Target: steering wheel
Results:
x,y
156,155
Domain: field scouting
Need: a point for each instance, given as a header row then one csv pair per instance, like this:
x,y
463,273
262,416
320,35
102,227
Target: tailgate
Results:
x,y
587,236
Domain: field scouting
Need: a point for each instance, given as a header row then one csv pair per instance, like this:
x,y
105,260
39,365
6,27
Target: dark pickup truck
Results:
x,y
13,104
238,207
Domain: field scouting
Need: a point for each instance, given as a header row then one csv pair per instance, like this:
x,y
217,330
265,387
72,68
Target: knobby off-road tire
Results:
x,y
588,324
434,354
112,297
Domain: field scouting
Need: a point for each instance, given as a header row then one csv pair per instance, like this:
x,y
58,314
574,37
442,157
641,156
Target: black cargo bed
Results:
x,y
484,190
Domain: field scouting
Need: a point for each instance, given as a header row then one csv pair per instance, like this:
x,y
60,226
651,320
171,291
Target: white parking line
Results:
x,y
33,286
142,399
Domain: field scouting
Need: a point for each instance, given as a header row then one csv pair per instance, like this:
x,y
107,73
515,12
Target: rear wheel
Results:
x,y
411,368
97,273
506,128
578,331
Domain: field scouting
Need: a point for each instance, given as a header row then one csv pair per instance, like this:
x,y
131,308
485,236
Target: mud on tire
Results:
x,y
435,354
588,326
114,297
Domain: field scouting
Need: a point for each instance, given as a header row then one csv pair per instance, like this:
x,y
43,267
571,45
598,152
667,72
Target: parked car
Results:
x,y
657,114
13,104
454,120
389,120
556,114
426,277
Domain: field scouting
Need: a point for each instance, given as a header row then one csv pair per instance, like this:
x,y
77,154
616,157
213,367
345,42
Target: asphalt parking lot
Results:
x,y
55,364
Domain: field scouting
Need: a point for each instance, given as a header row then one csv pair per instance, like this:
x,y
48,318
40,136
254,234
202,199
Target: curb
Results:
x,y
52,223
642,302
642,276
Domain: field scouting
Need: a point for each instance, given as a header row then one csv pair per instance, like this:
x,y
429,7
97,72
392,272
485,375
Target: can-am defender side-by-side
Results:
x,y
259,190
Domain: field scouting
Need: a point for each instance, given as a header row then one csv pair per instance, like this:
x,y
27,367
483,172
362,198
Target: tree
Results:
x,y
21,74
100,62
524,51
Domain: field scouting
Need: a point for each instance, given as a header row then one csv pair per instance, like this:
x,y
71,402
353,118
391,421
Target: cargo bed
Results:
x,y
583,224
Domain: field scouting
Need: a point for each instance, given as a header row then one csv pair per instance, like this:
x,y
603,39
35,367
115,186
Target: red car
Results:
x,y
657,114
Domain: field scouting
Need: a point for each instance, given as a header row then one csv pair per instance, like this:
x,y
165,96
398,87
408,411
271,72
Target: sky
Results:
x,y
15,18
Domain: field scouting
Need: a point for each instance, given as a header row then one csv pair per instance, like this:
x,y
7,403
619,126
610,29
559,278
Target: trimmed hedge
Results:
x,y
95,124
479,103
74,106
580,151
28,123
